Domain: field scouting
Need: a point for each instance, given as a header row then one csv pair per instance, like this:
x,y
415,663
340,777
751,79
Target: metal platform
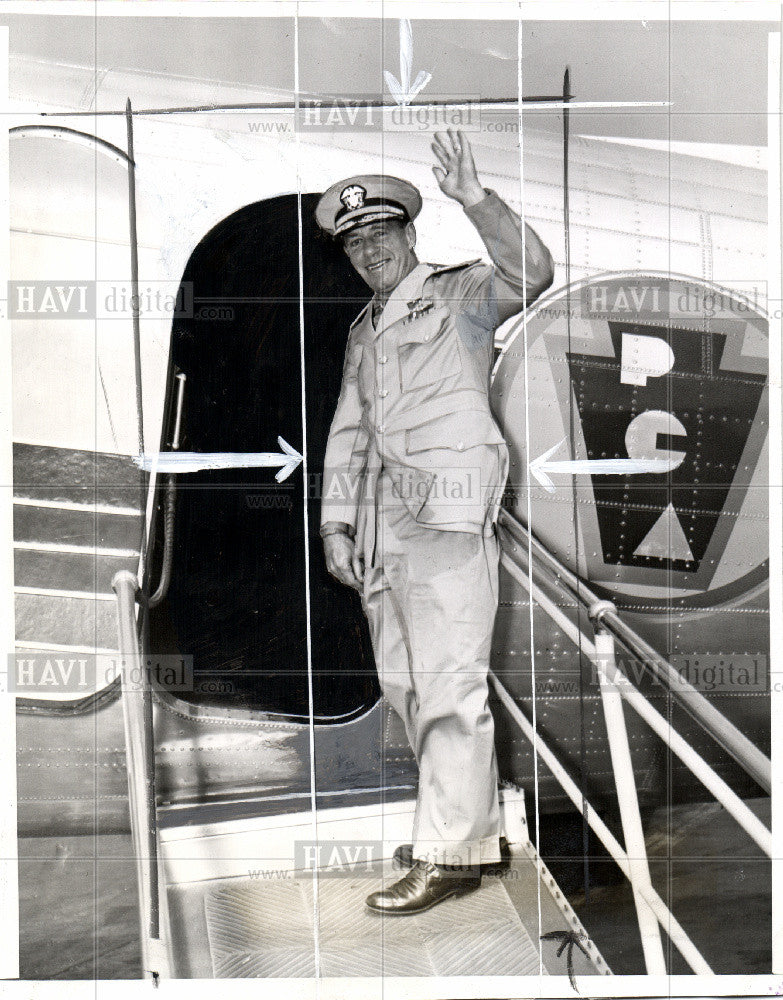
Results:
x,y
475,935
265,927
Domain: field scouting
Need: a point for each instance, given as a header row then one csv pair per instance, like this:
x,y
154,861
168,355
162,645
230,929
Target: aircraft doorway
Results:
x,y
237,597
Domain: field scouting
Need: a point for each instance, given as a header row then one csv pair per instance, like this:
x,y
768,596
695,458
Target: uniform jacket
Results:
x,y
415,392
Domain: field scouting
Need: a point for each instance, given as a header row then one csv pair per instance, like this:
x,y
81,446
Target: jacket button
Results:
x,y
427,339
380,428
460,446
383,360
383,393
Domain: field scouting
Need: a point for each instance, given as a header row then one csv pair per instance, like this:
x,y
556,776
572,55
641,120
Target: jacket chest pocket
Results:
x,y
358,368
428,350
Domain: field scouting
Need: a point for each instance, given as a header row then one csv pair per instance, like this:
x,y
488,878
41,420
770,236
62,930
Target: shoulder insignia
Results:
x,y
440,268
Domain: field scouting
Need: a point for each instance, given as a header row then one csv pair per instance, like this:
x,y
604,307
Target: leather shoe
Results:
x,y
403,858
423,887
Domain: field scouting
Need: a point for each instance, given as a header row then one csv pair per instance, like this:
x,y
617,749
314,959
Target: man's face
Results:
x,y
382,252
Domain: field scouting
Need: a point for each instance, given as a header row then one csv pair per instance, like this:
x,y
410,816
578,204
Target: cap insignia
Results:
x,y
353,196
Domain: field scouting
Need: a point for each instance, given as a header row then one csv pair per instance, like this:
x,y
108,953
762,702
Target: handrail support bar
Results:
x,y
137,714
630,814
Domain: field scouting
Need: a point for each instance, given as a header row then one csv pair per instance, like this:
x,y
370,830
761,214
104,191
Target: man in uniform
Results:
x,y
414,468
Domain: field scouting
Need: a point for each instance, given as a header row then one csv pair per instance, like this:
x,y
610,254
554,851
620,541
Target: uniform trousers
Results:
x,y
431,597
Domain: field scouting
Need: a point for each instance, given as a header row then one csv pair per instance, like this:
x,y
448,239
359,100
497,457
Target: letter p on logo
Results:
x,y
644,357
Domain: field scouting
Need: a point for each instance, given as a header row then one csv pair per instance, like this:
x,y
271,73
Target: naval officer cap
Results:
x,y
366,198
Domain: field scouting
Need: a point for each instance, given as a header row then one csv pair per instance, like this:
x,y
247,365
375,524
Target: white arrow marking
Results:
x,y
402,90
194,461
541,466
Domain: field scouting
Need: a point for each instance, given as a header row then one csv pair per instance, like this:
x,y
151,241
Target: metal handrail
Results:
x,y
137,714
652,912
665,917
170,503
711,720
690,757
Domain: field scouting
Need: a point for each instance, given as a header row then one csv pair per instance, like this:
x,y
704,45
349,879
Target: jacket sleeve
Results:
x,y
520,266
346,448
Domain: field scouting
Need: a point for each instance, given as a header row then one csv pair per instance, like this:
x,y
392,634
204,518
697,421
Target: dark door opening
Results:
x,y
237,597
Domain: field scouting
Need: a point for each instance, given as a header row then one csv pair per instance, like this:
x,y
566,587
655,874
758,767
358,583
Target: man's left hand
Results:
x,y
456,175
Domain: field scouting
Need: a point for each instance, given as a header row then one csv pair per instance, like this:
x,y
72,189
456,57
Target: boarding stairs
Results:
x,y
238,898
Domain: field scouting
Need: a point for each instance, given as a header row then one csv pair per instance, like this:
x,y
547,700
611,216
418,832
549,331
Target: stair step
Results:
x,y
76,527
72,621
75,476
83,572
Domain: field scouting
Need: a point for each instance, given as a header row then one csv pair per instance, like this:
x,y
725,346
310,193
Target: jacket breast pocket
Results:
x,y
428,350
353,360
357,369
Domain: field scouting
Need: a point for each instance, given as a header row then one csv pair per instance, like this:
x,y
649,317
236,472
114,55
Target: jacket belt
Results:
x,y
461,399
